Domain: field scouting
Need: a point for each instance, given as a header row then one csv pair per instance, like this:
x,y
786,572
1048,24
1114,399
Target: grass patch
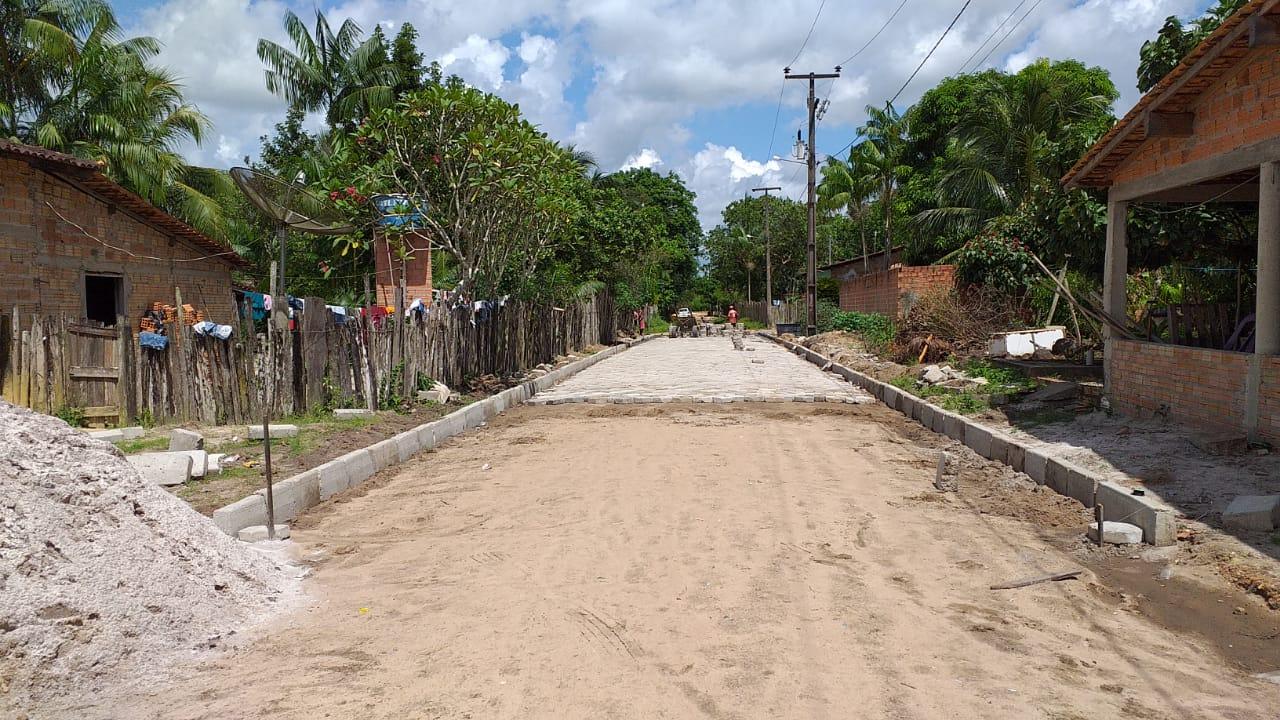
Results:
x,y
999,380
657,326
876,330
143,444
964,402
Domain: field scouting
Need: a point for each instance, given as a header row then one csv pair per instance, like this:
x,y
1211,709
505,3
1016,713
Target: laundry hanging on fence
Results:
x,y
338,313
154,341
222,332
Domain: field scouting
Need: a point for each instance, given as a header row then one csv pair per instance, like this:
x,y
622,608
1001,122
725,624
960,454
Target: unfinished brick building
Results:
x,y
1209,131
879,283
74,243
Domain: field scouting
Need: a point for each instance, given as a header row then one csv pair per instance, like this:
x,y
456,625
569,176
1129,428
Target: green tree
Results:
x,y
880,158
408,62
500,195
333,72
846,186
1162,54
788,230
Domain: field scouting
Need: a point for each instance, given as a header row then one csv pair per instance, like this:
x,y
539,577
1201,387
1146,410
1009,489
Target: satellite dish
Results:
x,y
290,204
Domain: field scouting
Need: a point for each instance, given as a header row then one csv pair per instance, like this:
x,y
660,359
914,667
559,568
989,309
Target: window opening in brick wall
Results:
x,y
102,298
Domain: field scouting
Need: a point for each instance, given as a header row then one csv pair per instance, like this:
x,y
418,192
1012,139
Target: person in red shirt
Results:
x,y
733,317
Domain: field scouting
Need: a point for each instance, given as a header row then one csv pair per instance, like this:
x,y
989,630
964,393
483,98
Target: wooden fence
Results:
x,y
787,312
50,363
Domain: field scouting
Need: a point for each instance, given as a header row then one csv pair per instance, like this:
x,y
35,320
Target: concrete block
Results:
x,y
407,445
925,412
954,427
977,438
352,412
448,426
162,468
907,405
1055,475
258,533
473,415
1015,456
1081,485
180,439
1116,533
892,397
295,495
384,454
543,383
999,450
277,431
359,466
233,518
1036,464
1252,512
199,462
332,478
1158,522
117,434
426,436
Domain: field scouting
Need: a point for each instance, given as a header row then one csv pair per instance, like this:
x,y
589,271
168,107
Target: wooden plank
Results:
x,y
102,411
93,331
1051,577
99,373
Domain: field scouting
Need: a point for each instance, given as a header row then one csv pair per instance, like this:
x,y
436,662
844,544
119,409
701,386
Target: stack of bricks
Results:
x,y
1196,386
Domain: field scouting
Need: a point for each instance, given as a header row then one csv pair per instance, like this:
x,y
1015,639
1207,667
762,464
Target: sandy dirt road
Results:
x,y
697,561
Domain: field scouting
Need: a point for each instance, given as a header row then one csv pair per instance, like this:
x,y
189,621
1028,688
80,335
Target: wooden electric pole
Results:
x,y
811,243
768,255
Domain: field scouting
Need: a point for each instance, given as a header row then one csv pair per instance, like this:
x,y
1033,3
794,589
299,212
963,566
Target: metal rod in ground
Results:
x,y
942,468
1098,513
266,471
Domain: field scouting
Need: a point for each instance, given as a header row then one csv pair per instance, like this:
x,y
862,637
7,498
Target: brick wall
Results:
x,y
1199,387
1241,108
43,259
892,292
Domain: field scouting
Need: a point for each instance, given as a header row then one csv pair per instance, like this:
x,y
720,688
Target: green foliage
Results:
x,y
998,258
73,416
1161,54
145,419
740,237
143,444
657,325
963,402
999,379
876,330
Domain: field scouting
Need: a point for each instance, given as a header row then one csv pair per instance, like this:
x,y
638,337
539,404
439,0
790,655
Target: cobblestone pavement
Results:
x,y
705,369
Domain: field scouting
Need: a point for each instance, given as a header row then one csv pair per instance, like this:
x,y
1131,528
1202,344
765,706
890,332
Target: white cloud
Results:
x,y
646,158
478,60
719,175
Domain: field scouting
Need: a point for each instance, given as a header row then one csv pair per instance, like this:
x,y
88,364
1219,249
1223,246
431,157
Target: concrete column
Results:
x,y
1115,270
1267,337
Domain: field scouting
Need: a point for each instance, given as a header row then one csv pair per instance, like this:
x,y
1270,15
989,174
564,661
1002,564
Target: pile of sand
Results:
x,y
103,576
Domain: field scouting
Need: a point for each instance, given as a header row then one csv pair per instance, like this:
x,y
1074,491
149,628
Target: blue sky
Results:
x,y
689,86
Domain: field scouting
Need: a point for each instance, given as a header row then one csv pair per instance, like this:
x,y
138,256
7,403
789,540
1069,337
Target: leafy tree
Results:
x,y
408,62
788,231
1162,54
333,72
500,194
843,186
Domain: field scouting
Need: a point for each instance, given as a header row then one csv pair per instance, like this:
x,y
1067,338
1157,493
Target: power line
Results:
x,y
993,34
773,134
809,34
1006,35
866,45
931,51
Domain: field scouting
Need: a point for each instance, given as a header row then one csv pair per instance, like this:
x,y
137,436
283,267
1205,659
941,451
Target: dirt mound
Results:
x,y
102,575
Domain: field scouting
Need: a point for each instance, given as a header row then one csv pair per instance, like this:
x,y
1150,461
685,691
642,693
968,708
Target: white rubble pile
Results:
x,y
104,576
948,377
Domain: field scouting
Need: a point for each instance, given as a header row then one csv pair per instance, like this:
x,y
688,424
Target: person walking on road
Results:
x,y
733,317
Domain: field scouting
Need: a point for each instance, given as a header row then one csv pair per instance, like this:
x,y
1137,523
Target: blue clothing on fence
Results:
x,y
155,341
258,302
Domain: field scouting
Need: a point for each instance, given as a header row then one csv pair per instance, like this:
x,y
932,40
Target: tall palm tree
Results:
x,y
880,158
337,73
845,186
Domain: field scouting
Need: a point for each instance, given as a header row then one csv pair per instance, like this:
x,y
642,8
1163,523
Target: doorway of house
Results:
x,y
103,298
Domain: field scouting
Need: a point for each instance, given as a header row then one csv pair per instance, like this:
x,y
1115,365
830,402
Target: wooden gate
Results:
x,y
94,372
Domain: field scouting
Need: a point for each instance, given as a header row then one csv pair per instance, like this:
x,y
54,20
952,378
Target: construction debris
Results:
x,y
948,377
103,573
180,439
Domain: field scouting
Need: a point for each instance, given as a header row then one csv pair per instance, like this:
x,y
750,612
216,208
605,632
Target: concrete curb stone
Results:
x,y
1158,522
297,494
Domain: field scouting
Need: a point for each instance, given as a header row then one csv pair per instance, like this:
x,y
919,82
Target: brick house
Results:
x,y
1209,131
74,243
879,283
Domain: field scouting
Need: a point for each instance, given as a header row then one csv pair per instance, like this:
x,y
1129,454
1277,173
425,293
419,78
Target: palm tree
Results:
x,y
1023,141
844,186
333,72
879,158
99,99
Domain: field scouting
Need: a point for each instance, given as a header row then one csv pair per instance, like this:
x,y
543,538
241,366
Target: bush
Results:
x,y
998,258
965,319
876,330
72,416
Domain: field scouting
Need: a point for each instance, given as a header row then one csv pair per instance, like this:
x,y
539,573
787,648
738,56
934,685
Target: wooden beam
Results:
x,y
1170,124
1240,159
1264,31
1208,192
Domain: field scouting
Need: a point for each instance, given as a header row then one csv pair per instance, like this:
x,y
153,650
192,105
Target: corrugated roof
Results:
x,y
87,176
1211,59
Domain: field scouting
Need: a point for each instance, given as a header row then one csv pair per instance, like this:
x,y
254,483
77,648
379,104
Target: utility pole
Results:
x,y
768,256
811,243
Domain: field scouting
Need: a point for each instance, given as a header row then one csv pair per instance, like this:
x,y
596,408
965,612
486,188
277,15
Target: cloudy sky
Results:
x,y
690,86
